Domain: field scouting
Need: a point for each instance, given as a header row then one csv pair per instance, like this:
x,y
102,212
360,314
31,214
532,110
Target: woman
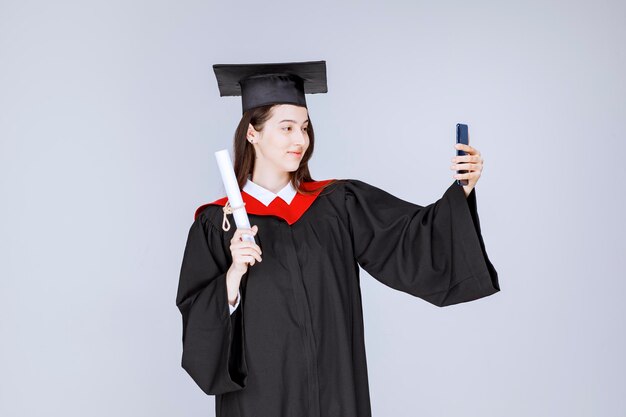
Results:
x,y
291,341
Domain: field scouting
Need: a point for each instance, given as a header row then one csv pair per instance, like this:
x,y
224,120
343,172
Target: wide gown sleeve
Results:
x,y
213,344
435,252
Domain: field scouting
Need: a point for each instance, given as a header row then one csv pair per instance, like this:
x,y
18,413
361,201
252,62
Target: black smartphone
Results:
x,y
462,136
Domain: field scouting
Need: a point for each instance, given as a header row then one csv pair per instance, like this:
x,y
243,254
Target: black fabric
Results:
x,y
295,345
271,83
272,89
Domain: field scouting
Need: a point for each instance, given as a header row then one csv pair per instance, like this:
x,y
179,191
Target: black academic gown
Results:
x,y
295,345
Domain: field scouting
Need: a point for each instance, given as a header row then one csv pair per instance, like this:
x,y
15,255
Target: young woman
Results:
x,y
275,327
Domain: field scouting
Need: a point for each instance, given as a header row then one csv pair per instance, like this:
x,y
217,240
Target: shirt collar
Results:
x,y
266,196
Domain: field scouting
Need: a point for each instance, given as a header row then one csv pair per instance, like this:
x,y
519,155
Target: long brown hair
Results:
x,y
245,153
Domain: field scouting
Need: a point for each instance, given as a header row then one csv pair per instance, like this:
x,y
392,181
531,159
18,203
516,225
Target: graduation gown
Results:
x,y
295,345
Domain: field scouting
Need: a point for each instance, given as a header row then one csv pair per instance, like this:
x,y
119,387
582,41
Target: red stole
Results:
x,y
278,207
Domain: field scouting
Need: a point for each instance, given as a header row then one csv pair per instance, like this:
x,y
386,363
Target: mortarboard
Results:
x,y
271,83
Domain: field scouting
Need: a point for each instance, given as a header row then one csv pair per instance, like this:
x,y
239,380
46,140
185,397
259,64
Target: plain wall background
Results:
x,y
109,117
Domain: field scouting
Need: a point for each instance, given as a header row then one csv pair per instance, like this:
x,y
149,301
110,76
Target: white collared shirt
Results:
x,y
265,196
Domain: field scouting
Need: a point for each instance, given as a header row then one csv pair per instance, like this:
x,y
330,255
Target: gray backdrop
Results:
x,y
109,117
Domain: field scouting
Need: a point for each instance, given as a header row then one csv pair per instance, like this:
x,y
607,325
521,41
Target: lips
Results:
x,y
295,153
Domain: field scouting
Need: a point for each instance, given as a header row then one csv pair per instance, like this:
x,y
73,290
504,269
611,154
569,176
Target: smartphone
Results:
x,y
462,136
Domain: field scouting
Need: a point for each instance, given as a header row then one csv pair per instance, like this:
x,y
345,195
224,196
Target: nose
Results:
x,y
301,138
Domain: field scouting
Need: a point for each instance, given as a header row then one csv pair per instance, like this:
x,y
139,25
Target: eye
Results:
x,y
306,129
287,128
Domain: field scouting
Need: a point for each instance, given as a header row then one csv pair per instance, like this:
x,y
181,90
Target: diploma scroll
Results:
x,y
232,191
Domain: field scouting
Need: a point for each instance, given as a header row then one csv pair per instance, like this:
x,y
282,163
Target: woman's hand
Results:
x,y
244,253
472,162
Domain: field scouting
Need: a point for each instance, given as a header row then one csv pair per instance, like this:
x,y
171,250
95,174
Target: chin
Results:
x,y
291,166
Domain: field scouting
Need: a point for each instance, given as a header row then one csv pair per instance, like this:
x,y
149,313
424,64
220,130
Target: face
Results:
x,y
283,140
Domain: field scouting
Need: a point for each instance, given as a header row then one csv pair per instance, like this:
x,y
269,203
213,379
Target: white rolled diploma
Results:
x,y
232,191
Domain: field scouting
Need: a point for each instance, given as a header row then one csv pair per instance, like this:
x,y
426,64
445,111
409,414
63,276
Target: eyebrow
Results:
x,y
293,121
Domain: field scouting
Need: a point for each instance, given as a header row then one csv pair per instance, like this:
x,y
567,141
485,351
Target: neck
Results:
x,y
270,180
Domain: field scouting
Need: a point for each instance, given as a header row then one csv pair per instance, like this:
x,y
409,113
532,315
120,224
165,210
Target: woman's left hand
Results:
x,y
472,162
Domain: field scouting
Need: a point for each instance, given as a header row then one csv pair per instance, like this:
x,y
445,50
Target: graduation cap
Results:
x,y
271,83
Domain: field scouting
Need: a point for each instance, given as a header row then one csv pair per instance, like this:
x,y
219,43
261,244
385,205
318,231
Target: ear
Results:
x,y
252,134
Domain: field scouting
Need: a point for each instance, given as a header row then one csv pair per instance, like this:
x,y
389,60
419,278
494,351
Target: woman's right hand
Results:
x,y
244,253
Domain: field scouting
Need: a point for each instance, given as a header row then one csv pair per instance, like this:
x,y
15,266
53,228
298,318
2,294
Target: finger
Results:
x,y
466,148
460,167
247,230
237,234
468,175
250,260
244,259
251,252
240,231
252,231
246,244
467,158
